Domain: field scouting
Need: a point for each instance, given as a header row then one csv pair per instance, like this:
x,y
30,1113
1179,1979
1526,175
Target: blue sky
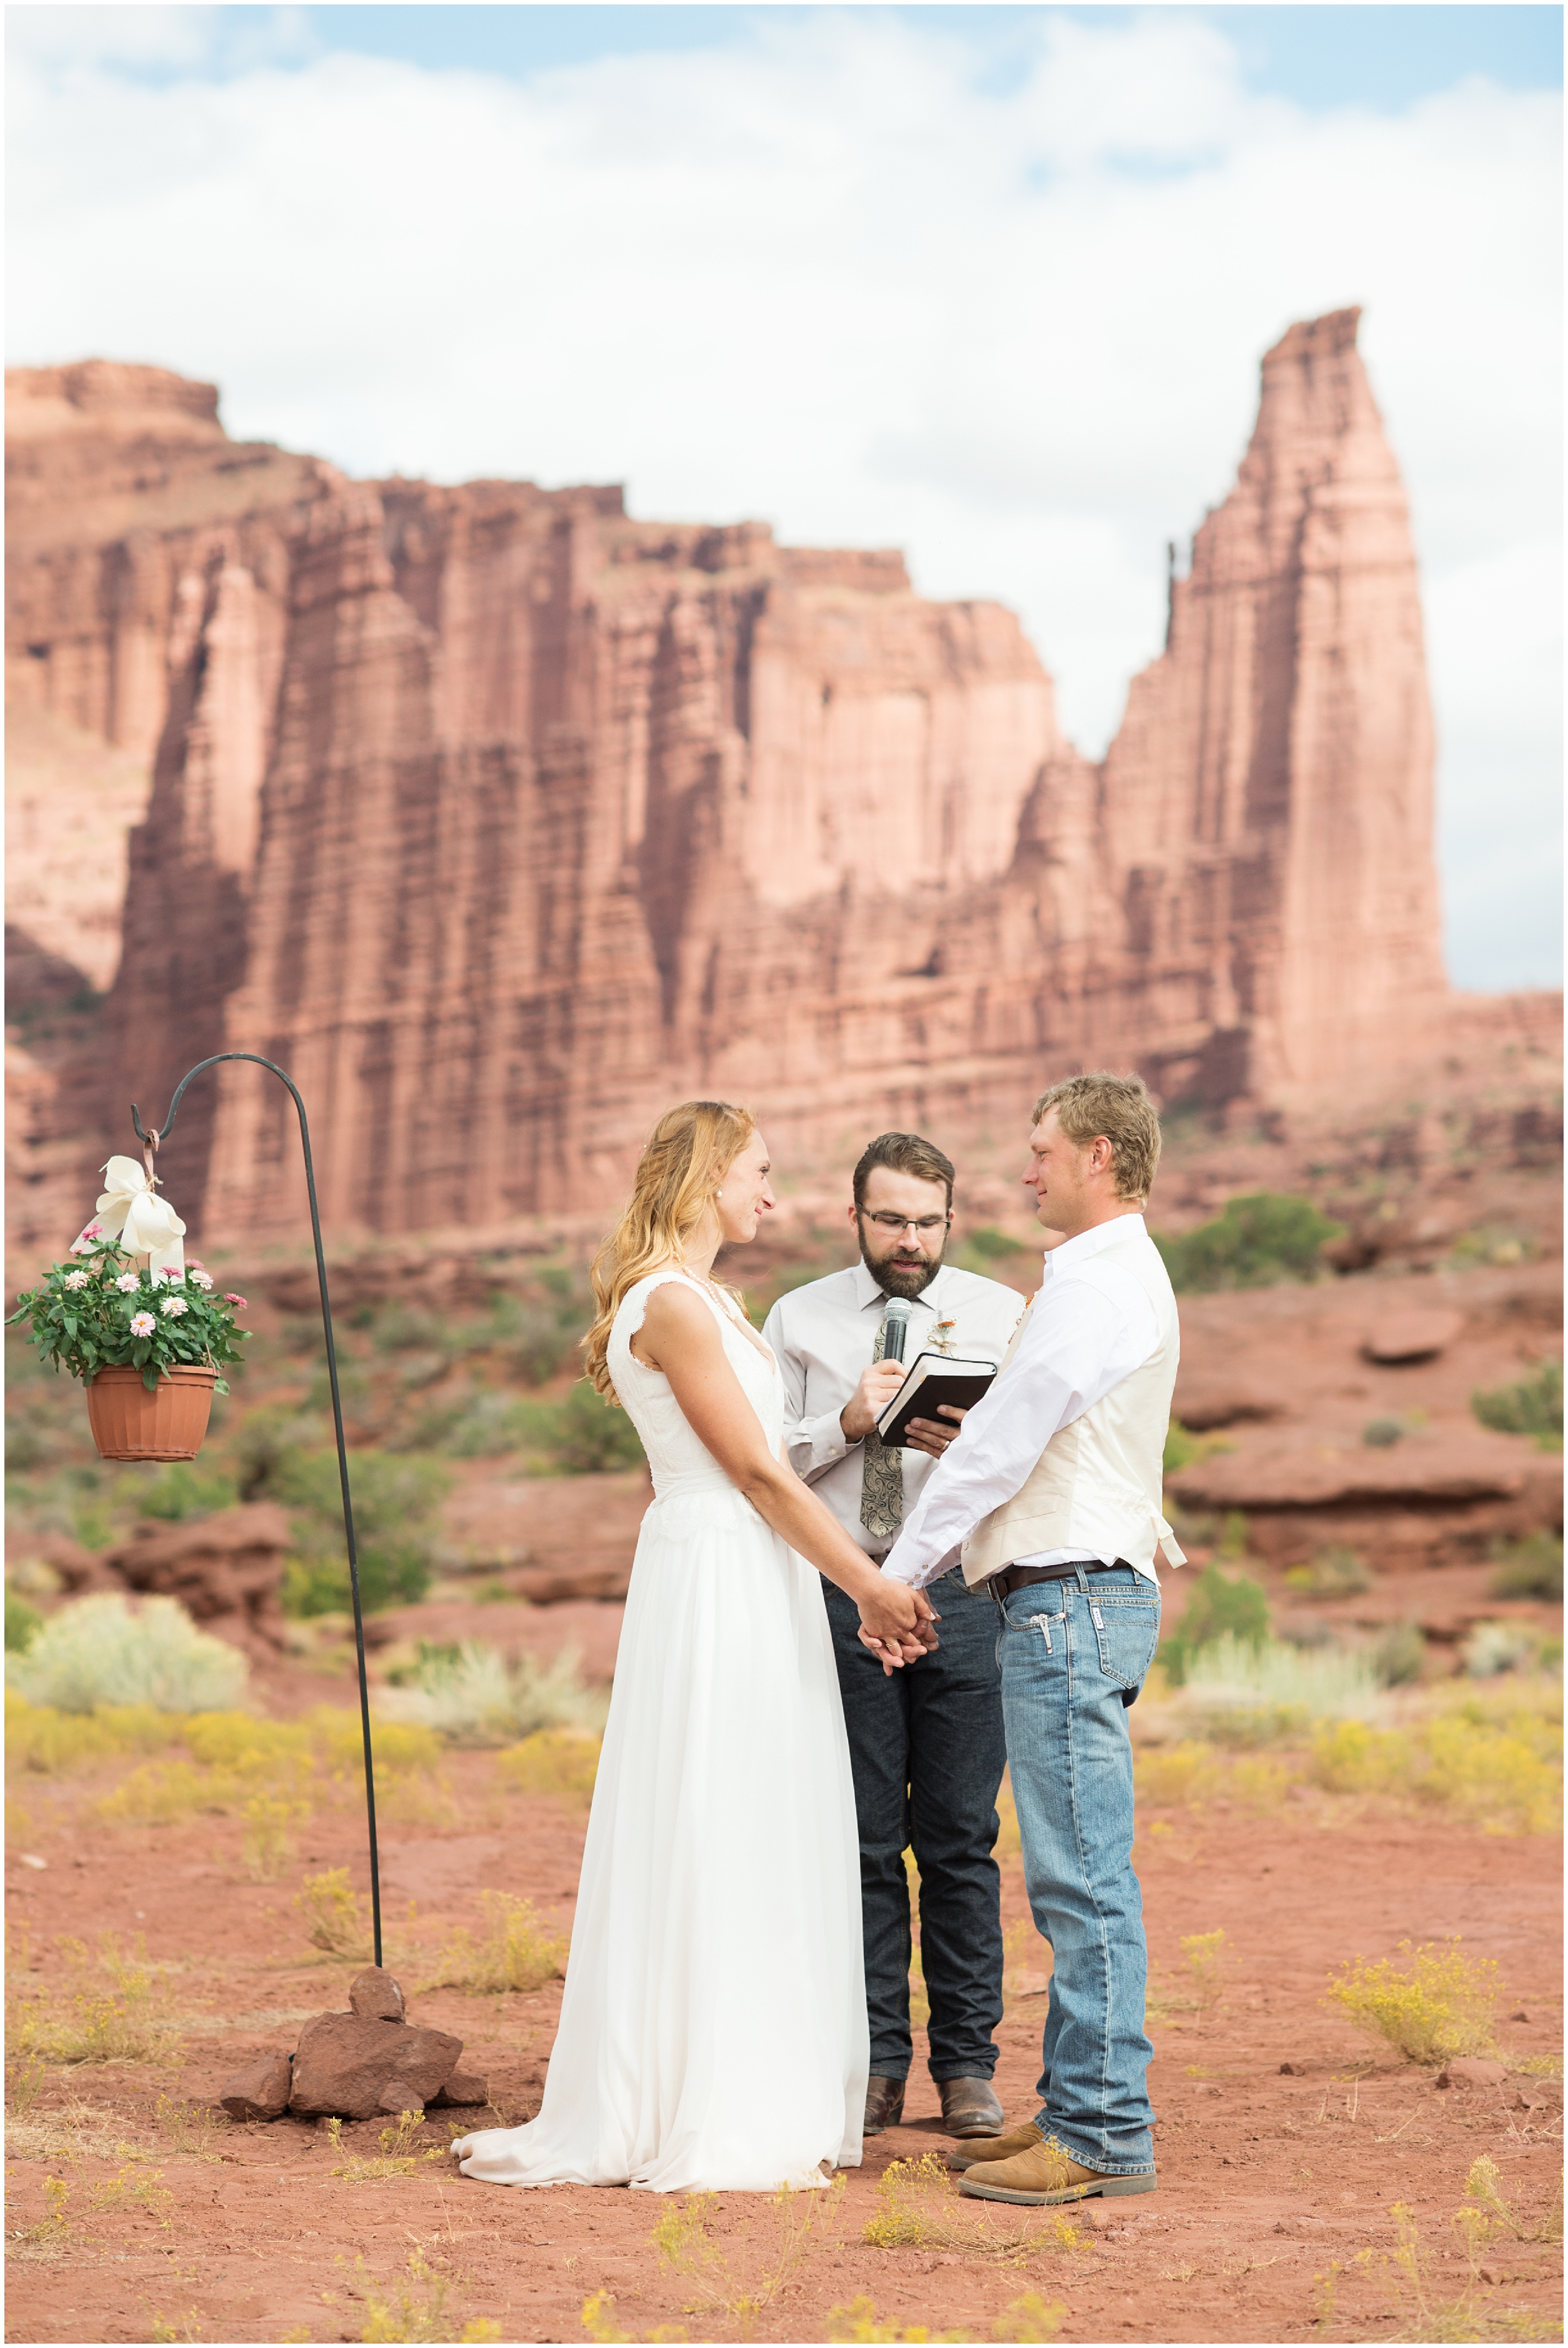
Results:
x,y
990,284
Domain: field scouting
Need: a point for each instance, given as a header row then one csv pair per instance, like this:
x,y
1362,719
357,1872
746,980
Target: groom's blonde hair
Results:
x,y
1122,1108
683,1162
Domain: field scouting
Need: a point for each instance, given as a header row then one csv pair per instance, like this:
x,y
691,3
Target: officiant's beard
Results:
x,y
895,1279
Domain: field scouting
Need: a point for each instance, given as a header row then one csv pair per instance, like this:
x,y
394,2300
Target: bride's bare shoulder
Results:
x,y
675,1317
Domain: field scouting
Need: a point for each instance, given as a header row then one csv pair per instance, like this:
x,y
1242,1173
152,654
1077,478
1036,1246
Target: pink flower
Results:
x,y
76,1280
238,1301
142,1324
129,1283
173,1306
199,1278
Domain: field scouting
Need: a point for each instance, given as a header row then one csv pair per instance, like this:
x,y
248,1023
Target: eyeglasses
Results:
x,y
896,1225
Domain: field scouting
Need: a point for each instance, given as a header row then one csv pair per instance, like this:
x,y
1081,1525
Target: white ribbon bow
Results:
x,y
146,1224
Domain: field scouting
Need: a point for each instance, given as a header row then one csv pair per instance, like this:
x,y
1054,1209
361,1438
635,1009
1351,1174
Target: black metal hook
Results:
x,y
161,1133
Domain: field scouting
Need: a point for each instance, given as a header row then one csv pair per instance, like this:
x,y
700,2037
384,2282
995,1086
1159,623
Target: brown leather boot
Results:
x,y
997,2147
969,2108
1046,2173
884,2105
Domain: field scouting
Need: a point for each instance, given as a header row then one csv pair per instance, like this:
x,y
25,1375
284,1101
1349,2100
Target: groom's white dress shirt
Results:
x,y
1090,1326
823,1335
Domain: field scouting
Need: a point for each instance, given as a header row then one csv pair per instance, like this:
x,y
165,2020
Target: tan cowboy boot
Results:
x,y
1046,2173
996,2147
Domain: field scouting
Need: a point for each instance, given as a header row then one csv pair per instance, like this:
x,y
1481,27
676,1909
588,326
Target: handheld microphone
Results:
x,y
900,1312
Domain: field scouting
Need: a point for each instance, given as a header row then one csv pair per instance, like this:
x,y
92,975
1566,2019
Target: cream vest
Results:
x,y
1097,1484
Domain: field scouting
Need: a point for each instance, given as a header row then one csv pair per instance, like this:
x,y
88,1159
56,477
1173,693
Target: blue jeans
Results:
x,y
926,1750
1074,1654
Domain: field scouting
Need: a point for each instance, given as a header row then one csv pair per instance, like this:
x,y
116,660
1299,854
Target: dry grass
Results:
x,y
920,2208
737,2284
413,2305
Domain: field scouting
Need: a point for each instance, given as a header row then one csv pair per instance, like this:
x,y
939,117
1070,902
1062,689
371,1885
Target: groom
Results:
x,y
926,1744
1051,1490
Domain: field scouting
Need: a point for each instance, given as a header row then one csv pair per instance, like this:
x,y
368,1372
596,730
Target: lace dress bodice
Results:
x,y
678,1461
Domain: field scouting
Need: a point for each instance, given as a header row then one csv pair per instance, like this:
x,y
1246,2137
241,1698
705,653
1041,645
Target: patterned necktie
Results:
x,y
881,1472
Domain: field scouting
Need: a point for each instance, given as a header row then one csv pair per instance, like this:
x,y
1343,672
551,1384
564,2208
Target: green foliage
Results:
x,y
1220,1605
1534,1406
21,1622
180,1492
1382,1434
94,1651
988,1241
1259,1239
590,1439
394,1501
81,1320
98,2005
1438,2004
1398,1654
1531,1568
1180,1448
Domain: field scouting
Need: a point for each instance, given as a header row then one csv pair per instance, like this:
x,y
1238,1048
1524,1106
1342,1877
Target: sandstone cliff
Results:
x,y
501,819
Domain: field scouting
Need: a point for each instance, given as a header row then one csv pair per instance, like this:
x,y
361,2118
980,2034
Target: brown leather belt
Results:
x,y
1019,1577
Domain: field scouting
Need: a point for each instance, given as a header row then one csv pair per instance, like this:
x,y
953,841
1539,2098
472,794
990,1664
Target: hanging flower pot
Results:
x,y
149,1342
169,1422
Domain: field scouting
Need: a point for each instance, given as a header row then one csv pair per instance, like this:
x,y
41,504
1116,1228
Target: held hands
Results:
x,y
878,1385
897,1624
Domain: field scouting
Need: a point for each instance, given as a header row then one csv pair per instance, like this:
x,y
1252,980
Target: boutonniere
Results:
x,y
944,1331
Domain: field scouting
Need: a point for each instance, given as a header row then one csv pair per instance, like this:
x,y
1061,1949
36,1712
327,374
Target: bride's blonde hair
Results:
x,y
679,1174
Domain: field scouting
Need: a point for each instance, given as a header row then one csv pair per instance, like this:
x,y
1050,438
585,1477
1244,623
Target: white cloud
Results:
x,y
827,277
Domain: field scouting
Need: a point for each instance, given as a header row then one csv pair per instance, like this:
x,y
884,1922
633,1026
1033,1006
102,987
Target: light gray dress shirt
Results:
x,y
823,1336
1090,1326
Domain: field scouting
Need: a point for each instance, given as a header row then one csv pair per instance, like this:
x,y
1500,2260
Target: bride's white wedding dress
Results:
x,y
713,2033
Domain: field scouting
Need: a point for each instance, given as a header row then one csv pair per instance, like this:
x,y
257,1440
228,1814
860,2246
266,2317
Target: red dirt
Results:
x,y
1265,2179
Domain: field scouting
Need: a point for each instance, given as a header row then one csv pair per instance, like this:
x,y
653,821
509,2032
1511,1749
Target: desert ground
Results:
x,y
185,1894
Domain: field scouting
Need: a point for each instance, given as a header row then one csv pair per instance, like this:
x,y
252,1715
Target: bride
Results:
x,y
713,2031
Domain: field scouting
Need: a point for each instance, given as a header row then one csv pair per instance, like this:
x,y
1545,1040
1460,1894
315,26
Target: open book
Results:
x,y
933,1379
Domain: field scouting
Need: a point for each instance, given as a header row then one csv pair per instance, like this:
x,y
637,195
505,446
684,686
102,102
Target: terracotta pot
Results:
x,y
171,1422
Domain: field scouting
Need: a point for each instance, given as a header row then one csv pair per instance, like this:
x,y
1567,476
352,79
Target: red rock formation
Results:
x,y
500,819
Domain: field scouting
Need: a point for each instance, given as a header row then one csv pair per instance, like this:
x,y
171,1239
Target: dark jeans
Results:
x,y
928,1752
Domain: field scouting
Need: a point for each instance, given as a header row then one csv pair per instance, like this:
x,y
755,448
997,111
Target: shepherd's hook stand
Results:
x,y
150,1140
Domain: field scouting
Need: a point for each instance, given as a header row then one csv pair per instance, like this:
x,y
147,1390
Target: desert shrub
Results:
x,y
400,1748
415,2307
1257,1240
1398,1654
1351,1756
1533,1407
394,1501
1259,1784
401,1328
1220,1606
1334,1572
161,1792
1438,2004
51,1743
96,1651
471,1694
336,1918
515,1952
1205,1956
1246,1694
1494,1778
989,1241
563,1762
180,1491
538,1346
1381,1434
1531,1568
592,1440
919,2207
100,2006
21,1622
1177,1775
488,1425
1182,1448
1494,1647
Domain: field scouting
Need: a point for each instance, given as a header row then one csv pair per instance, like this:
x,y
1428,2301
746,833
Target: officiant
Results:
x,y
926,1744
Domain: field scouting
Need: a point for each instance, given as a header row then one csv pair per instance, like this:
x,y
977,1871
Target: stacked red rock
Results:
x,y
357,2066
502,820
